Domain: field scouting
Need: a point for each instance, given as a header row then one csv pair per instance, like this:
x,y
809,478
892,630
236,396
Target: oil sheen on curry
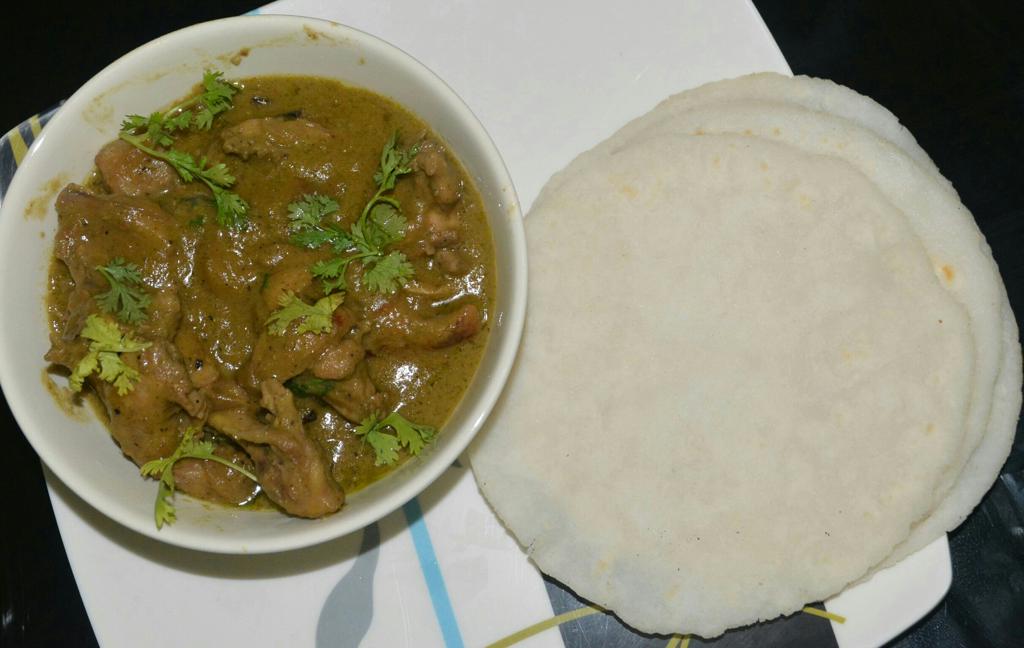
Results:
x,y
278,289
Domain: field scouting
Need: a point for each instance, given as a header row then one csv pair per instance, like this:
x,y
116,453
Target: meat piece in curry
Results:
x,y
279,278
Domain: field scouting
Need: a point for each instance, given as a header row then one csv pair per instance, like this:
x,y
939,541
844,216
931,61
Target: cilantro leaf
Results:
x,y
385,446
380,224
218,174
388,273
215,99
106,336
384,225
311,319
232,210
176,123
163,469
190,170
329,235
164,511
158,129
124,297
83,369
197,112
310,210
116,372
332,273
393,163
411,436
377,225
106,342
307,228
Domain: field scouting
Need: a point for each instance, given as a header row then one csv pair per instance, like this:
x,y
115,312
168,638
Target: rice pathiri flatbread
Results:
x,y
821,95
982,468
741,382
960,257
840,102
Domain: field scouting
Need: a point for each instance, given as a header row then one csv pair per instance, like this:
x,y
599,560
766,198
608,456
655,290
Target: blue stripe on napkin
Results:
x,y
432,574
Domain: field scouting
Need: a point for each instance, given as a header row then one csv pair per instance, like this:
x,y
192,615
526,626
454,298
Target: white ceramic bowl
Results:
x,y
79,450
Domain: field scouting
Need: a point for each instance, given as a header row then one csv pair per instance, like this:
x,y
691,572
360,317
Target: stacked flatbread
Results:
x,y
767,352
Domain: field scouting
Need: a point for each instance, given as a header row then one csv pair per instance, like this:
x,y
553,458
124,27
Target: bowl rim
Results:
x,y
339,524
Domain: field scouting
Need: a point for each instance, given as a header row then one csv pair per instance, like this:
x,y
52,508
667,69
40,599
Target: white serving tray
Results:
x,y
548,80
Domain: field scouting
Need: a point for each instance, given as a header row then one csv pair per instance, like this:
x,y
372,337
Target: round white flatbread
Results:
x,y
821,95
958,252
825,96
741,382
982,468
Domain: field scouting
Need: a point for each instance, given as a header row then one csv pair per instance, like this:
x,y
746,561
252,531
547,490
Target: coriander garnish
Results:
x,y
146,133
124,297
312,319
106,342
380,224
159,127
163,469
412,436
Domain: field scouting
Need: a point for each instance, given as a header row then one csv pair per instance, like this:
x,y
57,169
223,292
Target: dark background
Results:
x,y
952,71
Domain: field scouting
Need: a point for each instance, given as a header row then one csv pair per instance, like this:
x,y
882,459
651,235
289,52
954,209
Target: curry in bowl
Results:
x,y
278,290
